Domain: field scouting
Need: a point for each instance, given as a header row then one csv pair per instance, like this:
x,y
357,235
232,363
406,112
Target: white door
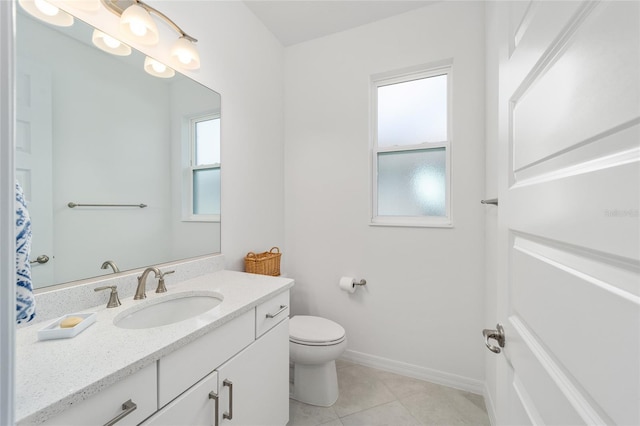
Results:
x,y
569,271
34,159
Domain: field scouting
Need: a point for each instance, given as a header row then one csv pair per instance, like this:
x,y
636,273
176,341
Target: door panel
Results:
x,y
582,90
540,280
34,151
569,286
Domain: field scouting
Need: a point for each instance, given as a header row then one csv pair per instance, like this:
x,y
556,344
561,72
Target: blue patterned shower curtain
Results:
x,y
25,303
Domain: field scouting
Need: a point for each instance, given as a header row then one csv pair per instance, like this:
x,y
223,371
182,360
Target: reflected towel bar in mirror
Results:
x,y
493,201
72,205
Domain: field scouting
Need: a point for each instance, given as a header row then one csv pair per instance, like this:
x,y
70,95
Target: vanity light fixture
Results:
x,y
110,44
137,25
47,12
157,69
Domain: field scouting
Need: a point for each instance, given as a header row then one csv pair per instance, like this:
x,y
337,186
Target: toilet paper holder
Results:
x,y
362,282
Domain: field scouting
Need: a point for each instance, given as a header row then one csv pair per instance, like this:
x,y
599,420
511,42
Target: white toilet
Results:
x,y
314,345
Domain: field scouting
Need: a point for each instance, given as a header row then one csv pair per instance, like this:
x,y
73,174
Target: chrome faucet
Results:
x,y
113,265
142,282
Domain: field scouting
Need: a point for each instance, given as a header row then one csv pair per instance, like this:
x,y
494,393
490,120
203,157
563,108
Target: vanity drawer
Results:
x,y
182,368
99,409
271,312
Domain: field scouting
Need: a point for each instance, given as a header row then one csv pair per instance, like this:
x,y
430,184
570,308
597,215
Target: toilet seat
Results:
x,y
315,331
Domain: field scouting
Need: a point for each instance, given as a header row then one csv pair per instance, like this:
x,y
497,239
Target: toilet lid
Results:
x,y
305,328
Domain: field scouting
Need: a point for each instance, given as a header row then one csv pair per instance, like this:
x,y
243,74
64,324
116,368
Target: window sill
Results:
x,y
412,222
202,218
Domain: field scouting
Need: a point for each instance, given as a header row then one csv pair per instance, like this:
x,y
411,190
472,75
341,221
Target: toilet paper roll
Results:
x,y
348,284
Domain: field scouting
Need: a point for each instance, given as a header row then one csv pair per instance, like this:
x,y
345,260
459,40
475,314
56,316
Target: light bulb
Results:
x,y
46,12
136,24
109,44
110,41
138,28
158,67
184,57
46,8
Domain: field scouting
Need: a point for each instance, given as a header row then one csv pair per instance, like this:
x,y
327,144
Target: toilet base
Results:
x,y
315,384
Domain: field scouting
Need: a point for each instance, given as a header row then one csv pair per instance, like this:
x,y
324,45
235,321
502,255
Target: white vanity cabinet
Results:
x,y
234,374
250,389
245,365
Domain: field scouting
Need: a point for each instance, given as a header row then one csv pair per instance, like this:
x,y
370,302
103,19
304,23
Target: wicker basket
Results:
x,y
267,263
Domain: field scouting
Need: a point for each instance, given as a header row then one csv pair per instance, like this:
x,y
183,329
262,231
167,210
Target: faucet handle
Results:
x,y
162,274
161,287
114,300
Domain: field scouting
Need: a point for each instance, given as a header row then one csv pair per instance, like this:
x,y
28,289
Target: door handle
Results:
x,y
128,407
216,407
229,414
497,335
282,309
42,259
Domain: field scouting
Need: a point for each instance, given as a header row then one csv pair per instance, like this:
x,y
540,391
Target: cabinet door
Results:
x,y
195,407
259,377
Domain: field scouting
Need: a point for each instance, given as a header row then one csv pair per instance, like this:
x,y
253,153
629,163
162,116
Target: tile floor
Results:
x,y
370,397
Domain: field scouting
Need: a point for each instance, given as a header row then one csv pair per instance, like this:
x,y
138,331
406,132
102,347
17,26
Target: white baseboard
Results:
x,y
416,372
490,405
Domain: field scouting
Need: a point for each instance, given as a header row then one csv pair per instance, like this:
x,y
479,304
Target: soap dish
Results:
x,y
53,330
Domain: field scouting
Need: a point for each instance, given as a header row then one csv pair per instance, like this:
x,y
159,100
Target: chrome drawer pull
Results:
x,y
282,309
229,414
216,406
128,407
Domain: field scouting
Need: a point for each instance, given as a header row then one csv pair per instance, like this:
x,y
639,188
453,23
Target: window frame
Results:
x,y
191,169
402,76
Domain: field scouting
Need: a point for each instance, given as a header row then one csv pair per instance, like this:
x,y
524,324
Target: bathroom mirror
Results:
x,y
96,130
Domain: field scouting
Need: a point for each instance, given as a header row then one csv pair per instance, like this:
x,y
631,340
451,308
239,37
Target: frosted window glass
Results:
x,y
207,142
412,183
413,112
206,191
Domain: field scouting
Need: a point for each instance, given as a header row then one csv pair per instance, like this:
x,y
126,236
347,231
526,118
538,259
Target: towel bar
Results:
x,y
72,205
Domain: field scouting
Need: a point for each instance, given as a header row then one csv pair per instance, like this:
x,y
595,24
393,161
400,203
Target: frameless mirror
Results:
x,y
116,164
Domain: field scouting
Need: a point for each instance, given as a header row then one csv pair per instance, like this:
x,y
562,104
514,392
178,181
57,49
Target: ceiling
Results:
x,y
296,21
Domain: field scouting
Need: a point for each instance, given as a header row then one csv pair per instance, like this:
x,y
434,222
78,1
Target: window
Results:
x,y
411,148
204,170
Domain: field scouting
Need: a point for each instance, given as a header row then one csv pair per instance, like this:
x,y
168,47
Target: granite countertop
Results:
x,y
51,375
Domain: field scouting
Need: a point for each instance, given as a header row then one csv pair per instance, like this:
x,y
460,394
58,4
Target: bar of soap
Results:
x,y
70,322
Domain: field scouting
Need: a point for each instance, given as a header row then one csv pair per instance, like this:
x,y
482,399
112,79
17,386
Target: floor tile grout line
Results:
x,y
410,413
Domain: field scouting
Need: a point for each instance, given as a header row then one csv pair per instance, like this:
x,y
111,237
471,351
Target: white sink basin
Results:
x,y
168,310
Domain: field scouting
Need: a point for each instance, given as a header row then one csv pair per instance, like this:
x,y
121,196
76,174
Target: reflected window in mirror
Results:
x,y
204,175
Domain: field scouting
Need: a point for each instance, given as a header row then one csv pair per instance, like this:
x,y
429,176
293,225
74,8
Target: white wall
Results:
x,y
422,310
243,61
